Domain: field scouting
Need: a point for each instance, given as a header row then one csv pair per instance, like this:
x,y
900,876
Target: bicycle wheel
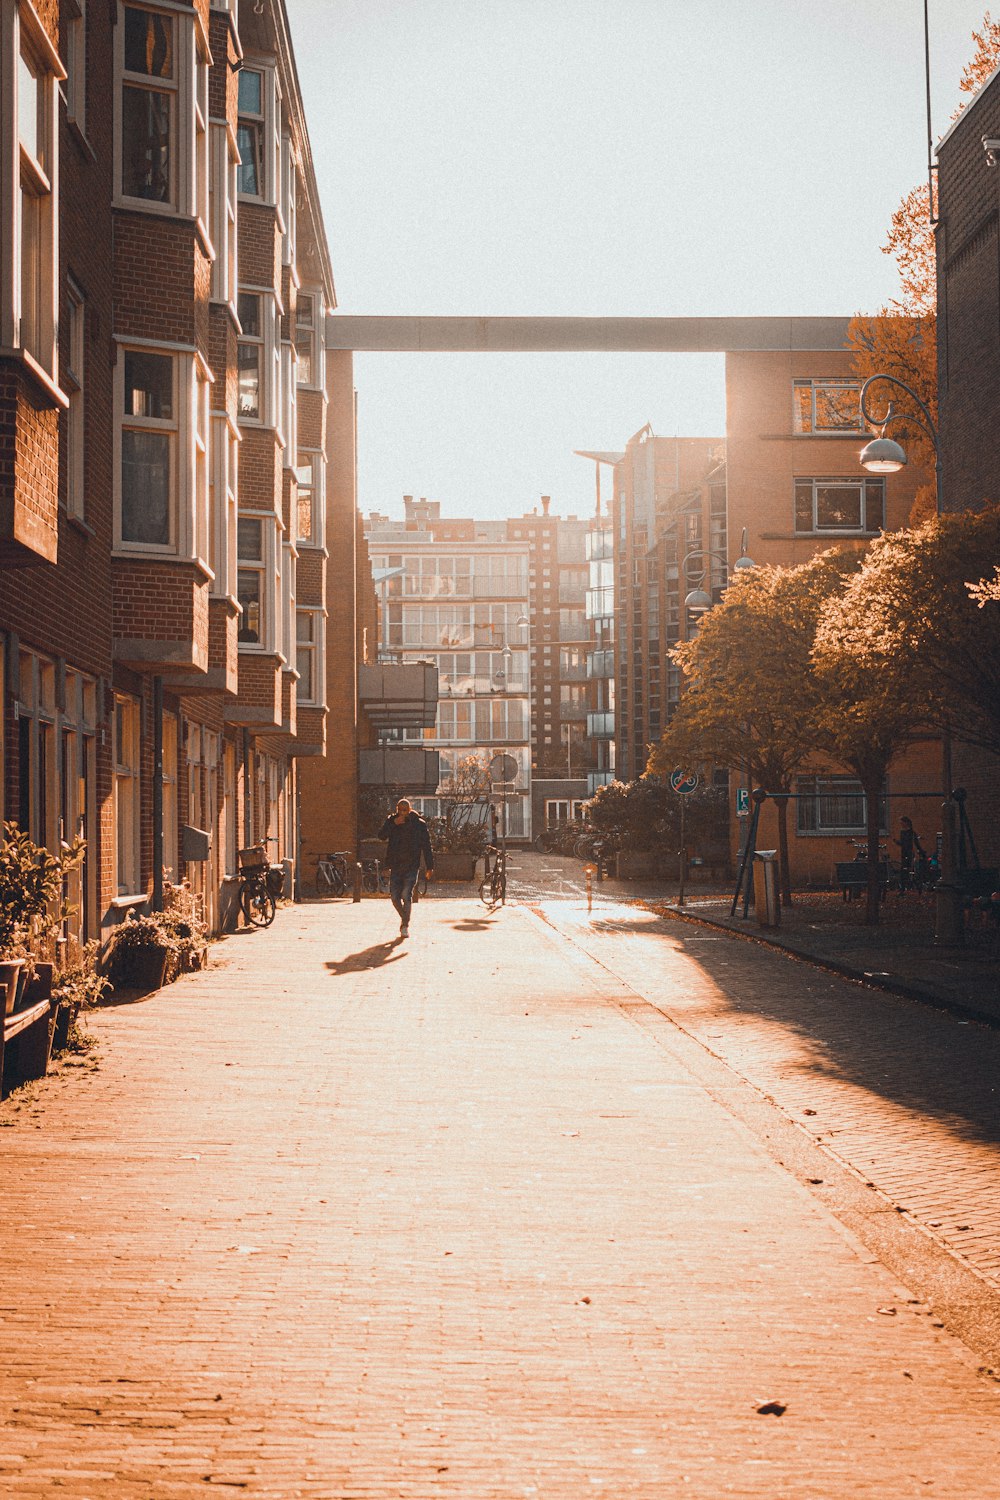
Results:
x,y
258,905
325,880
420,885
486,891
500,887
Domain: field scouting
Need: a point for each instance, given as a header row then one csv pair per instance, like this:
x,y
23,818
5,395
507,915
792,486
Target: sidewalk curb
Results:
x,y
872,981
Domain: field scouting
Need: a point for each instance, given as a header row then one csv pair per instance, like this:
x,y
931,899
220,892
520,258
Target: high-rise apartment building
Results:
x,y
455,594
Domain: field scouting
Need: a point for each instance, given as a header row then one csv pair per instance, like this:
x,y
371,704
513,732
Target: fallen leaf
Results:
x,y
772,1409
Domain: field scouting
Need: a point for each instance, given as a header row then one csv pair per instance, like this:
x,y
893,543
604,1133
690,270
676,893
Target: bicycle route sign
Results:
x,y
683,782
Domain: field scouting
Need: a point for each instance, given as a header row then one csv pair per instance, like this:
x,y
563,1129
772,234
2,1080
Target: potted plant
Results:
x,y
461,835
32,908
140,953
78,986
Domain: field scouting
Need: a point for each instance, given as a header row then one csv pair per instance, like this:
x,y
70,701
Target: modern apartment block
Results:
x,y
169,496
455,596
668,529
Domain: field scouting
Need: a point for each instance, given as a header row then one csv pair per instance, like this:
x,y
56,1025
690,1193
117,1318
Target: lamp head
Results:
x,y
883,456
698,602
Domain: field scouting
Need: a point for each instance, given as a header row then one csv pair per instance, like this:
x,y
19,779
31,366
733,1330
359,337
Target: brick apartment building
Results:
x,y
168,491
793,437
968,282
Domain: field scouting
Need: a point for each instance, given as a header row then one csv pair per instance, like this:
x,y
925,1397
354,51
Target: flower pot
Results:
x,y
454,866
10,974
39,987
141,969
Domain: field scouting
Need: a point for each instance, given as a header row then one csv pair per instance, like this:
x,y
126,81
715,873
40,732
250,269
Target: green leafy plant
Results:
x,y
32,906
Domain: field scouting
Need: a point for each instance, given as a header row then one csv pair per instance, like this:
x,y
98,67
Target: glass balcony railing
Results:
x,y
601,726
599,546
601,664
600,603
598,778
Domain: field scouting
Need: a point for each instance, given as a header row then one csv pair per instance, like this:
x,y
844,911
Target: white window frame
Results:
x,y
267,566
223,163
26,175
269,342
287,206
189,509
201,156
309,332
288,429
270,113
813,791
312,458
74,380
171,822
314,649
224,504
179,88
286,586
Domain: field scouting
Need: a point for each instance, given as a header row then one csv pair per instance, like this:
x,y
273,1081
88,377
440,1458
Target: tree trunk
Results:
x,y
872,894
781,805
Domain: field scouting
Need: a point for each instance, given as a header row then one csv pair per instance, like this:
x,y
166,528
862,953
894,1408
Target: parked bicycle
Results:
x,y
331,873
493,888
375,880
260,884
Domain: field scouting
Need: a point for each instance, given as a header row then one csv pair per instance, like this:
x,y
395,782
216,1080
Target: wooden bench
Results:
x,y
25,1045
852,877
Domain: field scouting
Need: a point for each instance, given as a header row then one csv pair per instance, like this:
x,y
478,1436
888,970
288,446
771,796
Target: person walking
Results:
x,y
909,847
408,839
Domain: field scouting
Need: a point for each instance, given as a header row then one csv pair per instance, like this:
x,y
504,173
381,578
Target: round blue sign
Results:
x,y
683,781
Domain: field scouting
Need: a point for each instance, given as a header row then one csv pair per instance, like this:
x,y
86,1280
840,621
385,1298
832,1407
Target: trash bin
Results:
x,y
765,888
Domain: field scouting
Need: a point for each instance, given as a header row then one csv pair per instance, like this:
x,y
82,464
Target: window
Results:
x,y
308,322
149,106
126,793
29,314
309,476
250,133
224,167
170,818
250,579
225,479
250,359
73,381
834,805
148,448
76,63
839,505
309,655
826,405
289,172
202,187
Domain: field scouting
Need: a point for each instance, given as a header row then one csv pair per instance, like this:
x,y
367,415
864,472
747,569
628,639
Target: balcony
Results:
x,y
572,593
601,664
599,546
573,630
600,603
600,726
514,586
574,713
486,687
402,767
598,778
399,695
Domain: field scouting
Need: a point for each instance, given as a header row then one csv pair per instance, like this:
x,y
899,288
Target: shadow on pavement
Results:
x,y
375,957
474,924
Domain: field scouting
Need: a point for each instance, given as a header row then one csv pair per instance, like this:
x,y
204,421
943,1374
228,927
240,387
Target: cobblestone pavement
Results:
x,y
905,1095
462,1216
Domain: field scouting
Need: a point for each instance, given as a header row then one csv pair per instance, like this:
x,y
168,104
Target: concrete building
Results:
x,y
168,498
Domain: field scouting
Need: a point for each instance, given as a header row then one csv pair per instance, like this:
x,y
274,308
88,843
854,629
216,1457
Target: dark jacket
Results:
x,y
407,841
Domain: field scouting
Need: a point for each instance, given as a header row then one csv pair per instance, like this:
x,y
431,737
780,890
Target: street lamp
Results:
x,y
699,601
884,455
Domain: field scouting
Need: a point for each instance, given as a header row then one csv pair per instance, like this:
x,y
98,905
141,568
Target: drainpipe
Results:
x,y
157,793
247,792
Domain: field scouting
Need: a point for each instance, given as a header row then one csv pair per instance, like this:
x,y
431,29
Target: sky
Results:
x,y
589,157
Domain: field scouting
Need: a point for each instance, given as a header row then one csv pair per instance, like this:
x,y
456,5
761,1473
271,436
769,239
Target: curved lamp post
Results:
x,y
884,455
699,601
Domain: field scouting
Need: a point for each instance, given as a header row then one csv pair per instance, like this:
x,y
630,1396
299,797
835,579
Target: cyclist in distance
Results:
x,y
408,839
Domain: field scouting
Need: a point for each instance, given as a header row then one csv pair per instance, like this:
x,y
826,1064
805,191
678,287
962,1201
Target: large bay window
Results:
x,y
162,498
309,340
223,167
29,70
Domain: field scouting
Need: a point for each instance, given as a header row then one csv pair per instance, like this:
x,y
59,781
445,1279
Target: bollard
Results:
x,y
589,872
357,881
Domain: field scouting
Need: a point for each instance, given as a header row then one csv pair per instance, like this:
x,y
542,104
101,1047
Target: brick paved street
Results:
x,y
468,1217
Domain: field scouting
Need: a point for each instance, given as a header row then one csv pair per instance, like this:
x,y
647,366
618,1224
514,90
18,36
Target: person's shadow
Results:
x,y
375,957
